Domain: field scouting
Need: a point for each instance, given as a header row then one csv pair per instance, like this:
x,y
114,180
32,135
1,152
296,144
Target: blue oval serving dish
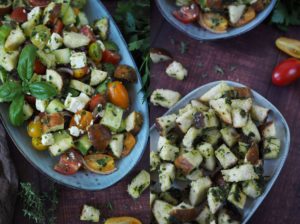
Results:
x,y
166,7
86,180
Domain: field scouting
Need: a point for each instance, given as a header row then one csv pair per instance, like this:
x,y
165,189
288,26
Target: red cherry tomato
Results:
x,y
39,68
87,31
187,14
58,27
41,3
54,15
19,15
69,163
96,100
111,57
286,72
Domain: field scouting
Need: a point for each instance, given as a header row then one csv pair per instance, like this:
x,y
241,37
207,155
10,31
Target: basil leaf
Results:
x,y
3,75
4,32
16,115
9,90
42,90
26,62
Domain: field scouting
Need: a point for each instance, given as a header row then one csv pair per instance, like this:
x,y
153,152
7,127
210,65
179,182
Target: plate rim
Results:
x,y
286,147
145,124
243,29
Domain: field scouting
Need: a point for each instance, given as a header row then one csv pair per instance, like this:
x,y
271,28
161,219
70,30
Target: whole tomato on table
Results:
x,y
287,72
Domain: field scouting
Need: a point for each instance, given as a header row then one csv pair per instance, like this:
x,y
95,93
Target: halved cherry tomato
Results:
x,y
118,94
286,72
120,220
19,15
54,15
80,72
34,129
187,14
111,57
100,163
69,163
39,68
100,136
289,46
41,3
87,31
58,27
129,143
96,100
82,119
37,144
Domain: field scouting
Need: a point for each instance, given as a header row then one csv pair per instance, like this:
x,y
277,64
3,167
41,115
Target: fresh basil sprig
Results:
x,y
16,114
14,91
26,62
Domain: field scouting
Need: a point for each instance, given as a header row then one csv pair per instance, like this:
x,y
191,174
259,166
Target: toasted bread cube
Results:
x,y
215,92
268,130
190,137
207,151
188,161
185,120
223,109
161,211
237,197
164,97
154,160
225,156
230,136
239,173
271,148
176,70
165,124
252,188
199,190
166,176
259,113
251,131
239,118
215,198
168,152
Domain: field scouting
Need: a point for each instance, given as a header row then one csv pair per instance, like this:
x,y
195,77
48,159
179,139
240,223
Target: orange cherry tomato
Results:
x,y
34,129
19,15
69,163
80,72
39,68
58,27
124,219
129,143
118,94
82,119
96,100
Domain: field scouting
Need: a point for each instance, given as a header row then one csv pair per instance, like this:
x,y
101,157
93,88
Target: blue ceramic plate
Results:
x,y
195,31
272,168
84,179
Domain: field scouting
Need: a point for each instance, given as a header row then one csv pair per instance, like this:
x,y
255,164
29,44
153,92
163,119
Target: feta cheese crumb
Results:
x,y
75,104
78,60
55,41
176,70
41,105
34,13
77,118
47,139
75,131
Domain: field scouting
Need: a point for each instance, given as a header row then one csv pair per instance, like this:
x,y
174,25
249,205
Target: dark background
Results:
x,y
71,201
254,57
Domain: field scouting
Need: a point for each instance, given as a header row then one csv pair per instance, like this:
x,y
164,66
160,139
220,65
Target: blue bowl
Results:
x,y
86,180
166,7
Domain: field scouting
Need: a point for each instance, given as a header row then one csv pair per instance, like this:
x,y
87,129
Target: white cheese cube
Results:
x,y
55,41
75,131
75,104
236,12
41,105
78,60
34,14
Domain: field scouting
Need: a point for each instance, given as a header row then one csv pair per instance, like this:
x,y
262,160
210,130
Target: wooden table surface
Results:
x,y
71,201
253,55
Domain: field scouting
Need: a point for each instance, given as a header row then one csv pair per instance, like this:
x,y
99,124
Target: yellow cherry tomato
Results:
x,y
289,46
80,72
34,129
37,144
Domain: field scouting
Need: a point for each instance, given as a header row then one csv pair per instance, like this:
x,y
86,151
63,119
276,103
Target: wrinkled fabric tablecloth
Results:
x,y
8,181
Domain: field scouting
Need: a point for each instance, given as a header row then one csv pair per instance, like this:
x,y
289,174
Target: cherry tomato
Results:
x,y
129,143
124,219
96,100
80,72
41,3
111,57
39,68
34,129
289,46
286,72
55,13
19,15
37,144
100,163
118,95
87,31
187,14
58,27
69,163
82,119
